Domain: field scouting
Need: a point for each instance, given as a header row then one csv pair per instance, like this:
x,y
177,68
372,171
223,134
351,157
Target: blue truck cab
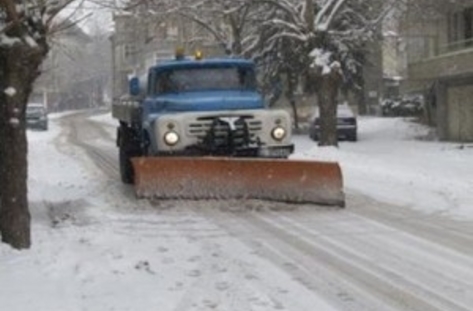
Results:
x,y
199,107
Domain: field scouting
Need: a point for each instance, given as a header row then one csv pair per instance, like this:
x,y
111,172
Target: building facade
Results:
x,y
60,72
440,66
141,40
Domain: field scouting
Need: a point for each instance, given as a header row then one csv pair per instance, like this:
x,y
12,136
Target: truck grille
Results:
x,y
201,126
225,135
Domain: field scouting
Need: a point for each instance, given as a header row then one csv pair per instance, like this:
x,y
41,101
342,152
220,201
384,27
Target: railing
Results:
x,y
456,46
422,48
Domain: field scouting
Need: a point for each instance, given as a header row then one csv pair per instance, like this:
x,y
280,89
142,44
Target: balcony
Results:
x,y
431,61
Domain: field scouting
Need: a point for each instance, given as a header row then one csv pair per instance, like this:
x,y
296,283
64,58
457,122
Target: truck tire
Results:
x,y
128,148
126,168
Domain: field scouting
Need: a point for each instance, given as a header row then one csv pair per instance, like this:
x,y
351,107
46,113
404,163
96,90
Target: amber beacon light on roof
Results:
x,y
198,55
180,53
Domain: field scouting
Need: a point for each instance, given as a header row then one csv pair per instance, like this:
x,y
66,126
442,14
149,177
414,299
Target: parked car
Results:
x,y
405,106
347,127
36,116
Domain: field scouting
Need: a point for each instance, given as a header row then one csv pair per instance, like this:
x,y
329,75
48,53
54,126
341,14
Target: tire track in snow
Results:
x,y
353,268
314,276
449,233
83,133
371,236
443,293
261,290
212,284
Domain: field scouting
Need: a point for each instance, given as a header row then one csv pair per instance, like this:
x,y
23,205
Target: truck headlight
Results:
x,y
278,133
171,138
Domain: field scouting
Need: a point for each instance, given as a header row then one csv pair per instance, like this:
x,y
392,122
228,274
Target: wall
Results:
x,y
460,113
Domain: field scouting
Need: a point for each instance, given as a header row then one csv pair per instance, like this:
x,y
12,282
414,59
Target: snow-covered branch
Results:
x,y
327,13
28,21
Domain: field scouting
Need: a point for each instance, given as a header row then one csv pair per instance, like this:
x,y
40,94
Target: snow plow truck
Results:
x,y
197,128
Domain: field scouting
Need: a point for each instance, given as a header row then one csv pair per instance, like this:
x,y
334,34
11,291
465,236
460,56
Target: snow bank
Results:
x,y
105,119
53,176
59,115
109,123
391,164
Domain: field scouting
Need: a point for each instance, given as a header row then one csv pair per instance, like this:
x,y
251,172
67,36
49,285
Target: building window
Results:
x,y
460,29
130,50
468,26
453,28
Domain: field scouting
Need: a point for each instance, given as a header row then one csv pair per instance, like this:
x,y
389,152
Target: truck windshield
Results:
x,y
204,79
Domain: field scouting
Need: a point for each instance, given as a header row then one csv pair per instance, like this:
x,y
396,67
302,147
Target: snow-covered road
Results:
x,y
97,248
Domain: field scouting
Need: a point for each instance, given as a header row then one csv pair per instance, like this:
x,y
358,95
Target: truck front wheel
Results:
x,y
128,148
126,168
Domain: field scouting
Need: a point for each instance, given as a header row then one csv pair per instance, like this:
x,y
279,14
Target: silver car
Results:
x,y
36,116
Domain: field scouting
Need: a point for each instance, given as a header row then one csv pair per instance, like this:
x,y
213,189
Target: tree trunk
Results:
x,y
327,99
292,101
362,106
14,213
361,100
292,82
18,70
237,47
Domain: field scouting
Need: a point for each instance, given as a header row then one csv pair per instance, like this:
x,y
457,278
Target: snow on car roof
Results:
x,y
343,111
34,105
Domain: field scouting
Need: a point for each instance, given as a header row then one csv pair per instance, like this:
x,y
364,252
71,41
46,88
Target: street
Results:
x,y
256,255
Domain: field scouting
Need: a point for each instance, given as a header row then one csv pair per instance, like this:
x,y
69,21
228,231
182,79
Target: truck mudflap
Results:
x,y
200,178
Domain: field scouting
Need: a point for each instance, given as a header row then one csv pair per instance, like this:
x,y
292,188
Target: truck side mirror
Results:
x,y
134,86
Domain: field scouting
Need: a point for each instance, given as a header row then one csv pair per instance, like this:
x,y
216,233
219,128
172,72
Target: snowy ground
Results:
x,y
391,163
105,118
97,248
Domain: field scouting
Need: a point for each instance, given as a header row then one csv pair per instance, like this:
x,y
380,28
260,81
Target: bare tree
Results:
x,y
227,21
24,29
328,35
285,37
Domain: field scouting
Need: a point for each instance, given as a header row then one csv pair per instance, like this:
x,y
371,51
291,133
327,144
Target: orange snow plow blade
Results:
x,y
239,178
